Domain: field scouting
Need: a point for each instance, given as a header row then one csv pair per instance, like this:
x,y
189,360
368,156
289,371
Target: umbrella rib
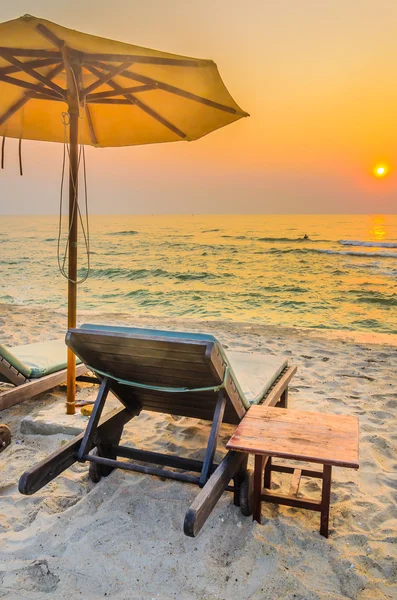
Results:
x,y
155,60
91,126
25,67
28,86
26,97
44,96
177,91
112,93
155,115
33,63
133,100
105,77
149,60
30,53
110,101
88,60
13,109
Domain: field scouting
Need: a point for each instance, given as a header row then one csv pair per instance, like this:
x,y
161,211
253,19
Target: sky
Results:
x,y
318,79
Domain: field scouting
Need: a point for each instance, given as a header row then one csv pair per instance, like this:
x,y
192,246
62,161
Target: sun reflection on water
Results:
x,y
377,230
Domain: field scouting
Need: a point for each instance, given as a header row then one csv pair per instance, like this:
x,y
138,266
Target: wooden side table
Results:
x,y
330,440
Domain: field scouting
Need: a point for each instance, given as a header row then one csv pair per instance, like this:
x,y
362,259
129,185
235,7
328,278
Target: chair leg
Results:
x,y
105,448
258,474
213,438
325,500
209,495
89,434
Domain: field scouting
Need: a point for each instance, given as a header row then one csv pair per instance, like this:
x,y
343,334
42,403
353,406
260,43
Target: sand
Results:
x,y
123,539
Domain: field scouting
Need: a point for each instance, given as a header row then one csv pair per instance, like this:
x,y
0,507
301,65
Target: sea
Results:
x,y
336,272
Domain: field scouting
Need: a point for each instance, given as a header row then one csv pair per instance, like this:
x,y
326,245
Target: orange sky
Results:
x,y
318,78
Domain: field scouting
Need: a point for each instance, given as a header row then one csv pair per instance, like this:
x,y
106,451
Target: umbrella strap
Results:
x,y
20,156
156,388
3,147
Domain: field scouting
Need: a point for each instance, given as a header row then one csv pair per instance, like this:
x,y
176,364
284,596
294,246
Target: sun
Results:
x,y
380,170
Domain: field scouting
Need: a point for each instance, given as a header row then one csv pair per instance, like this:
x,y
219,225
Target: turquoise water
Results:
x,y
234,267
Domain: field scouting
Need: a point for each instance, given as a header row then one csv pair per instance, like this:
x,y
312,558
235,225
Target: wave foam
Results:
x,y
368,244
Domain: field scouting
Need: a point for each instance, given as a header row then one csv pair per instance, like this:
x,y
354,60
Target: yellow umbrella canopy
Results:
x,y
129,95
114,94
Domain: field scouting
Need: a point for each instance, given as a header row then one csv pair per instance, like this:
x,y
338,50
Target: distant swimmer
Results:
x,y
306,237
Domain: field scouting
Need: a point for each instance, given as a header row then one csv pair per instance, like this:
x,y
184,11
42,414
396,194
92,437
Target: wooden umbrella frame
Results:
x,y
105,67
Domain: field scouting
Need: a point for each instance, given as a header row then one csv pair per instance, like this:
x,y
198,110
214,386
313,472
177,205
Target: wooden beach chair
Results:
x,y
174,373
32,369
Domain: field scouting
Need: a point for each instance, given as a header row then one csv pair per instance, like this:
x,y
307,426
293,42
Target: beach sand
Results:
x,y
123,538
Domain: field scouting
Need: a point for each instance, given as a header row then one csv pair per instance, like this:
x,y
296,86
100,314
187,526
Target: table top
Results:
x,y
299,435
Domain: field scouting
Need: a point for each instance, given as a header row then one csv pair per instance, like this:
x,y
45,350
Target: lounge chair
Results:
x,y
33,369
184,374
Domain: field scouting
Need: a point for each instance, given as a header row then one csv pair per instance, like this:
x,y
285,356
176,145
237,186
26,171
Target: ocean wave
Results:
x,y
128,232
132,274
291,240
357,253
368,244
329,251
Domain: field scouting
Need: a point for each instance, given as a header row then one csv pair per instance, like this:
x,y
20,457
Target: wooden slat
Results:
x,y
121,340
168,356
163,365
10,374
305,472
34,387
303,502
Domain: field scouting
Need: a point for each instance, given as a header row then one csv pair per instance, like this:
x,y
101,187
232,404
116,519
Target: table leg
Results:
x,y
325,500
283,403
258,474
267,477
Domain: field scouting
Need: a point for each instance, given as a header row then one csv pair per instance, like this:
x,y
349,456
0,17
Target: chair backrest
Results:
x,y
161,359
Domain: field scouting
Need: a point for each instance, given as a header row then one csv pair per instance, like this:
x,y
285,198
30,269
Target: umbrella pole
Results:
x,y
72,266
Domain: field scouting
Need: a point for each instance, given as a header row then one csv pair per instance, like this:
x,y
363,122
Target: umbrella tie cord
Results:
x,y
84,228
3,147
156,388
20,156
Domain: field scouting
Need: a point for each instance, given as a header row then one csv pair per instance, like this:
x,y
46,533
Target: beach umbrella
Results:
x,y
101,93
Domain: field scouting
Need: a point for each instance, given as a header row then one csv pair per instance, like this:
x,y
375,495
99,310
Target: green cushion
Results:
x,y
37,360
14,362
